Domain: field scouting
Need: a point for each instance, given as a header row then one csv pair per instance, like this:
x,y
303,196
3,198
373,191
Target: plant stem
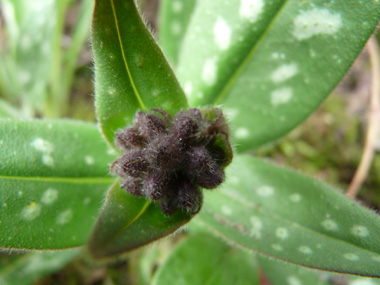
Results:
x,y
373,115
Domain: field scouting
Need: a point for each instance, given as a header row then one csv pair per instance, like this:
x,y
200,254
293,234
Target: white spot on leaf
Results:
x,y
226,210
251,9
284,72
42,145
330,225
49,196
282,233
281,96
209,71
112,91
360,231
31,211
295,197
89,160
315,22
256,227
242,133
45,148
265,191
65,217
111,56
305,249
277,247
222,34
47,160
87,200
351,256
292,280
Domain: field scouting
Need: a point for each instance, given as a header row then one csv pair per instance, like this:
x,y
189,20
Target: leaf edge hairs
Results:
x,y
168,160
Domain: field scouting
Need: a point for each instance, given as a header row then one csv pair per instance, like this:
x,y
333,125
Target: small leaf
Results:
x,y
52,180
28,268
174,19
278,272
271,63
127,222
285,215
204,259
131,72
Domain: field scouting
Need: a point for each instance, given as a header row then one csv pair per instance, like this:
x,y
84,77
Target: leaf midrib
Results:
x,y
137,94
303,227
232,79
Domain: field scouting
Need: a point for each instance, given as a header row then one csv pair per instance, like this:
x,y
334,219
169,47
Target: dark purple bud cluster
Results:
x,y
168,160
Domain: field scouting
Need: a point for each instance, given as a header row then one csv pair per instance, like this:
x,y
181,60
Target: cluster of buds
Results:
x,y
169,160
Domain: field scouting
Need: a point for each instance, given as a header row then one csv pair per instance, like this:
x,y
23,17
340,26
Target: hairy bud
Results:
x,y
167,160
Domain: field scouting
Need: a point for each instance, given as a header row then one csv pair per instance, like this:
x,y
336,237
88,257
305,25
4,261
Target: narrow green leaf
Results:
x,y
174,19
271,63
279,272
285,215
204,259
131,72
79,37
31,26
52,180
29,267
127,222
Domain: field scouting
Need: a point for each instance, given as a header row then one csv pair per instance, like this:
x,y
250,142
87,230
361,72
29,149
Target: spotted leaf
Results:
x,y
278,272
53,179
270,63
288,216
131,72
174,19
223,265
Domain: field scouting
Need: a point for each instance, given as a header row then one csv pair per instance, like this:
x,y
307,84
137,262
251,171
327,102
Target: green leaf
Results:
x,y
79,36
285,215
271,63
204,259
131,72
127,222
52,180
174,19
52,148
29,267
278,271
